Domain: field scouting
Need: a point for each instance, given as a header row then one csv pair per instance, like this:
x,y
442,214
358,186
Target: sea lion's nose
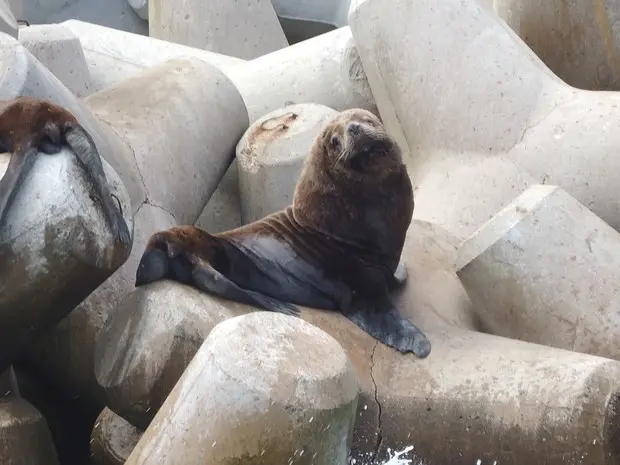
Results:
x,y
354,127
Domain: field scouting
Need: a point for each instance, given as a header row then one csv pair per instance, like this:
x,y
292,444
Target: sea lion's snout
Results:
x,y
361,137
354,128
153,267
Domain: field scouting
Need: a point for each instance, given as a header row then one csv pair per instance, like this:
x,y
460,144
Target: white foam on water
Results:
x,y
397,460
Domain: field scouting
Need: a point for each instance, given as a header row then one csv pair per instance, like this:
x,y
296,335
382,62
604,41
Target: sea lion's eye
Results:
x,y
335,143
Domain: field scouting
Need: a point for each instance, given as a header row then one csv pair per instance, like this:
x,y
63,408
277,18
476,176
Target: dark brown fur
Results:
x,y
29,126
337,247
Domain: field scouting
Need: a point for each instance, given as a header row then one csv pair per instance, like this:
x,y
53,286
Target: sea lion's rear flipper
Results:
x,y
85,150
208,279
20,165
383,321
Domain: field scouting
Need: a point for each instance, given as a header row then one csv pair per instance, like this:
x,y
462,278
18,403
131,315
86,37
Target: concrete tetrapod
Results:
x,y
24,436
264,388
184,106
487,398
155,331
114,55
571,37
243,29
56,248
545,269
477,396
505,111
271,154
60,51
324,70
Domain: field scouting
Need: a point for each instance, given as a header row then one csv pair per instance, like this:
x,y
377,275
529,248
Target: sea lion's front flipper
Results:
x,y
382,320
208,279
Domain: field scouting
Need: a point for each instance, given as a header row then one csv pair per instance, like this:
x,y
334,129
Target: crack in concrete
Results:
x,y
147,202
379,441
533,124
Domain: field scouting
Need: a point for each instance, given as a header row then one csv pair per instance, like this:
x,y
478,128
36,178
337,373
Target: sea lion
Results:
x,y
29,126
337,247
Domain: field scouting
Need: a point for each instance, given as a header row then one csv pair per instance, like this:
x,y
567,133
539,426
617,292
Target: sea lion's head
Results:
x,y
356,139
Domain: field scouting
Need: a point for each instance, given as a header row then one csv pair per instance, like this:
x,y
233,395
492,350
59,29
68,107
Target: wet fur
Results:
x,y
29,126
336,248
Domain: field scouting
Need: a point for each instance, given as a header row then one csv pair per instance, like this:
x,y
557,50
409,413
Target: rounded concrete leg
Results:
x,y
271,154
545,269
56,249
24,436
286,390
112,439
148,341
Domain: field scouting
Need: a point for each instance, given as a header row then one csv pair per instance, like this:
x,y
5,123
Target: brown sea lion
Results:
x,y
336,248
29,126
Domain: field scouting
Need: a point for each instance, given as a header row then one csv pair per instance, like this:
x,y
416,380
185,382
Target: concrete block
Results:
x,y
24,436
271,154
448,130
117,14
56,247
187,107
114,55
324,70
8,24
112,439
60,51
545,269
577,40
243,29
311,414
